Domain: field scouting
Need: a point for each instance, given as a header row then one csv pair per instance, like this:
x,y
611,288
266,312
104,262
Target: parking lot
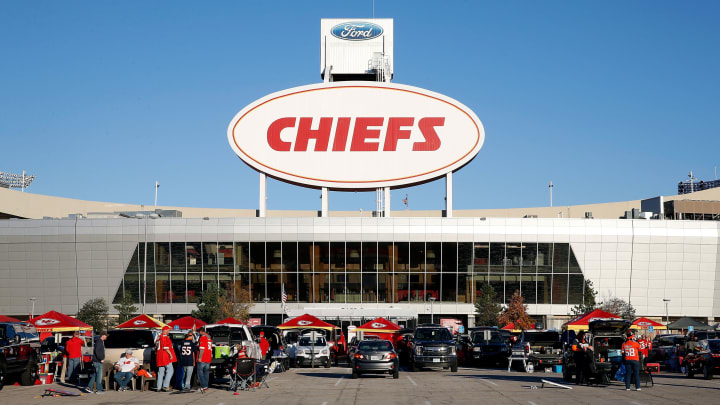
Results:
x,y
469,385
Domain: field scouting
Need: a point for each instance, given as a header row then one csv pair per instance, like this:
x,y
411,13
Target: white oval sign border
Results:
x,y
357,185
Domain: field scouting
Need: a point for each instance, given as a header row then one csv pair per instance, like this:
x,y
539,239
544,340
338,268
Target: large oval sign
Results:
x,y
356,30
356,135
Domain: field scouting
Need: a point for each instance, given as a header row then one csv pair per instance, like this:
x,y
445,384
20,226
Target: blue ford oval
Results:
x,y
356,30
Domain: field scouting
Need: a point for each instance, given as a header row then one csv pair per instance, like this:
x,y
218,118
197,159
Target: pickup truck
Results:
x,y
19,352
432,346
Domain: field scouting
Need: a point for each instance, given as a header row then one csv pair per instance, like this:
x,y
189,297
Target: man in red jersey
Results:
x,y
73,347
165,357
204,359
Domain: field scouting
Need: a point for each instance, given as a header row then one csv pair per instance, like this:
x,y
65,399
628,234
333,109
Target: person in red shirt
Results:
x,y
631,354
73,347
264,345
204,359
164,359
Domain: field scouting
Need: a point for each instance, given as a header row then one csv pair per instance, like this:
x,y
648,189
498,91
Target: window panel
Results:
x,y
337,287
402,287
225,257
162,257
177,258
369,287
528,288
385,287
543,288
497,257
369,258
417,258
353,257
290,259
513,260
559,288
560,258
177,286
210,261
273,286
242,260
194,287
576,286
193,257
544,258
353,288
162,287
337,259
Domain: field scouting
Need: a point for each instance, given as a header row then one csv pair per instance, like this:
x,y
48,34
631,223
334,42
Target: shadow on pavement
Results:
x,y
322,375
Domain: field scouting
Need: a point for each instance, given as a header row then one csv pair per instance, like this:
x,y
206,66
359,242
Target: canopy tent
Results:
x,y
186,322
382,328
645,323
4,318
685,323
511,327
306,321
581,322
53,322
142,321
230,321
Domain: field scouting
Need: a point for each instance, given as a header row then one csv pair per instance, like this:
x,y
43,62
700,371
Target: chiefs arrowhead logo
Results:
x,y
139,322
378,325
304,323
46,322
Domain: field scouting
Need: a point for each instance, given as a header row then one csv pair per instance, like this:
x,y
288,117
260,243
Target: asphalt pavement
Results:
x,y
321,386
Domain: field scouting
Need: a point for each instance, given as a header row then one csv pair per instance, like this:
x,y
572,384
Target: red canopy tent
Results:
x,y
52,322
581,321
187,322
4,318
230,321
382,328
645,323
511,327
142,321
306,321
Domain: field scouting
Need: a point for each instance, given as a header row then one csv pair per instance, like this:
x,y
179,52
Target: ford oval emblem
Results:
x,y
357,30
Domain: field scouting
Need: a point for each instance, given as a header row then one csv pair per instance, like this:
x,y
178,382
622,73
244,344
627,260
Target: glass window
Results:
x,y
497,257
257,285
403,256
559,288
150,291
132,286
513,252
385,256
512,284
291,285
529,254
226,283
478,281
465,250
337,258
177,258
193,257
433,257
225,257
134,263
194,287
369,257
432,286
177,285
305,256
528,288
162,257
210,262
497,283
353,288
560,258
385,283
337,287
481,257
322,287
369,287
162,286
209,279
242,262
257,257
353,257
544,258
274,288
543,288
417,257
304,283
289,257
322,257
576,286
402,287
574,266
448,291
273,257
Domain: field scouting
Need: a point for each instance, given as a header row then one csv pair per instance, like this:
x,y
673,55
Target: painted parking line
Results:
x,y
411,380
339,381
635,403
487,381
427,403
531,403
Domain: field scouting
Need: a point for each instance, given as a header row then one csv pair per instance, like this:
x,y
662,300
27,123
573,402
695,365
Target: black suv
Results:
x,y
488,347
432,346
19,346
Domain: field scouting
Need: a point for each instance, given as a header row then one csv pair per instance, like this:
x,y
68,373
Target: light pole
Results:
x,y
667,316
32,311
432,316
265,300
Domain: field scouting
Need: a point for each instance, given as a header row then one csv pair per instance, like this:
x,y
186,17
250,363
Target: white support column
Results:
x,y
448,195
387,202
324,202
263,195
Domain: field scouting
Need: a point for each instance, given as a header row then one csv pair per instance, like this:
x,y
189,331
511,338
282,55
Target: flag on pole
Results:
x,y
284,298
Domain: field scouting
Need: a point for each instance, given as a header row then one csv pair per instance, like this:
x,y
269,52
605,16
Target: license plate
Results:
x,y
375,357
436,360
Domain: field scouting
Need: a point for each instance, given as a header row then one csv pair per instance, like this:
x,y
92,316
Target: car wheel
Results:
x,y
707,374
30,375
2,375
688,372
396,374
354,375
453,369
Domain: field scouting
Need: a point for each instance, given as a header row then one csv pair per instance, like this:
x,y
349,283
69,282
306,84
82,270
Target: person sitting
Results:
x,y
125,369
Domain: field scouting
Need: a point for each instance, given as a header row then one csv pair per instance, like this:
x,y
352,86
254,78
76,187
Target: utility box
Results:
x,y
356,49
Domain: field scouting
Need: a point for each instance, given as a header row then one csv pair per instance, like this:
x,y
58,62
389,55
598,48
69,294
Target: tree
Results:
x,y
486,308
126,308
208,304
516,313
619,307
236,304
95,313
588,303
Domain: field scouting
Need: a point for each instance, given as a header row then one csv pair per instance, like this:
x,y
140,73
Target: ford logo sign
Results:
x,y
356,30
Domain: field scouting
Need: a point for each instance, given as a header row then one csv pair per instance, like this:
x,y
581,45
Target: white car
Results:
x,y
312,349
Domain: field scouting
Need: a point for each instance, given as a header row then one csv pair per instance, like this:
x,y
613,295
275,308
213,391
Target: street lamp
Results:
x,y
432,317
266,300
32,312
667,316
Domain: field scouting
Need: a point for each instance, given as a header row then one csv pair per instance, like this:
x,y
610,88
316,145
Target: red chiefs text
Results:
x,y
369,134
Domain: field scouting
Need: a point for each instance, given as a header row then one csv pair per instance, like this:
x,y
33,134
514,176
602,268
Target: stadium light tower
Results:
x,y
12,180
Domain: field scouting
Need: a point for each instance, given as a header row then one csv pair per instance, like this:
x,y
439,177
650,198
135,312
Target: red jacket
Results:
x,y
73,347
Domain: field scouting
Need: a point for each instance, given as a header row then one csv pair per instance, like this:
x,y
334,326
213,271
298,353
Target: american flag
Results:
x,y
284,299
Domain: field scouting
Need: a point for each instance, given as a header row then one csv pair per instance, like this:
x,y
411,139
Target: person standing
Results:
x,y
631,354
165,357
204,359
188,350
264,346
73,347
579,348
98,359
125,369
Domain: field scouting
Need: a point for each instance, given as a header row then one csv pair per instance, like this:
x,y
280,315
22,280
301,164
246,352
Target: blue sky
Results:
x,y
610,100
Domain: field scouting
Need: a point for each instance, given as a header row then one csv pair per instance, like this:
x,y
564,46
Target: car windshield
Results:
x,y
123,339
433,334
306,341
479,337
541,337
375,346
239,334
714,345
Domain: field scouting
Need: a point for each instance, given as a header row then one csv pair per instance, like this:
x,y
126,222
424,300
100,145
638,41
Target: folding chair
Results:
x,y
243,374
267,370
